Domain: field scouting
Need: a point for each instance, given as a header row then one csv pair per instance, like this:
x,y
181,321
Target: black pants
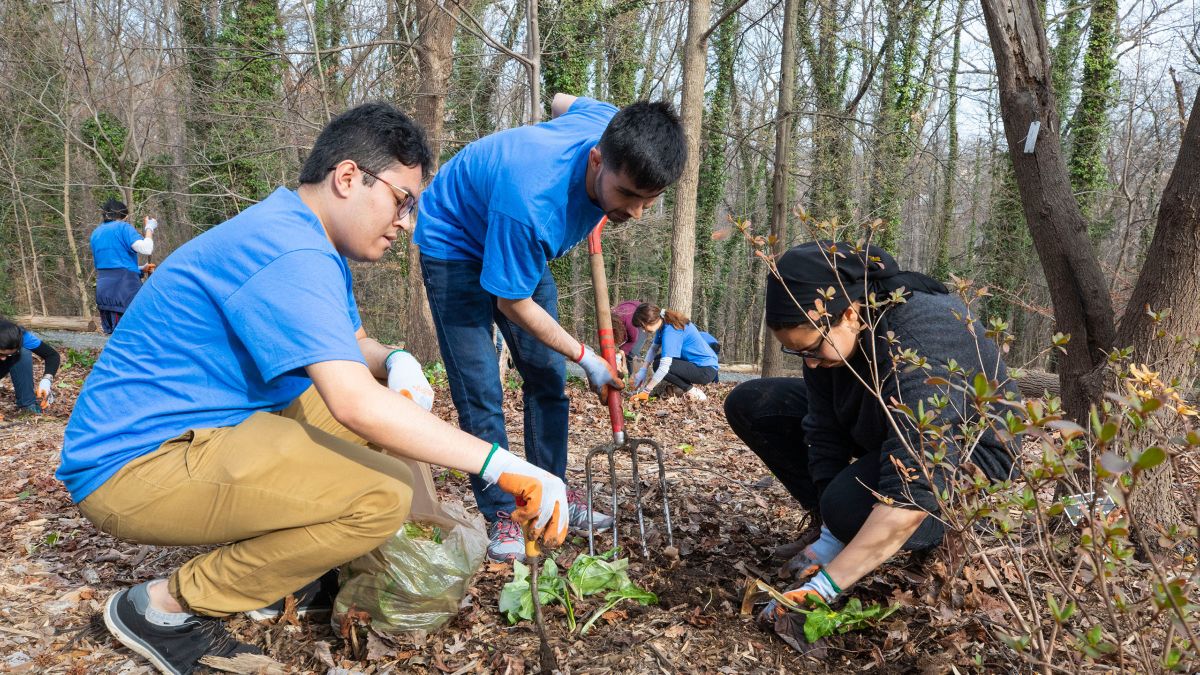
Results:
x,y
683,374
767,414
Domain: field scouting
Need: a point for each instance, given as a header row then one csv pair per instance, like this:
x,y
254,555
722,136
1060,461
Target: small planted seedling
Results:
x,y
588,576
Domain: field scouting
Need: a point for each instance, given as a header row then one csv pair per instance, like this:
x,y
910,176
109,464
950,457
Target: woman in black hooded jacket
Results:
x,y
829,439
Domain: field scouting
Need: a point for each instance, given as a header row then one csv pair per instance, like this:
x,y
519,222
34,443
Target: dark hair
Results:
x,y
375,136
645,141
647,313
10,334
114,209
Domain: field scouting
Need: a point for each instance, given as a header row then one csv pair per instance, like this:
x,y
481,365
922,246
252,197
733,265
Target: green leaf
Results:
x,y
1152,457
591,574
1108,431
819,624
516,600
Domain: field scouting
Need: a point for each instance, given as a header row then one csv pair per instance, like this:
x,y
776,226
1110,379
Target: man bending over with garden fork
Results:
x,y
236,402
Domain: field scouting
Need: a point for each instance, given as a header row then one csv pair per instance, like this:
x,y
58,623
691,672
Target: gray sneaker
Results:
x,y
507,543
174,650
577,509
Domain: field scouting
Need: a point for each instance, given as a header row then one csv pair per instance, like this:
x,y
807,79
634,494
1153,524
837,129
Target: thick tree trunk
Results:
x,y
683,216
772,363
1082,306
1169,280
435,45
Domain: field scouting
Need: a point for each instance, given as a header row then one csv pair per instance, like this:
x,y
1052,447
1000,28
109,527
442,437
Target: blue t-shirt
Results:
x,y
30,341
687,344
222,330
515,199
112,246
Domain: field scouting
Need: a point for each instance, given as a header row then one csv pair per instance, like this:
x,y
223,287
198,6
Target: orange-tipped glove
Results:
x,y
45,395
542,496
406,377
820,588
640,397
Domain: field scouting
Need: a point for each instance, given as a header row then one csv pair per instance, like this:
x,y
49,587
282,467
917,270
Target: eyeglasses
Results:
x,y
802,353
404,205
813,353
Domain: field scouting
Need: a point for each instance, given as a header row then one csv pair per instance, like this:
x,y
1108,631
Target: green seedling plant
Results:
x,y
823,621
588,576
80,358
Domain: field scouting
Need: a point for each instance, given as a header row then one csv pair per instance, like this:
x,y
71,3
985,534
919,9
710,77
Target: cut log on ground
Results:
x,y
78,323
1035,383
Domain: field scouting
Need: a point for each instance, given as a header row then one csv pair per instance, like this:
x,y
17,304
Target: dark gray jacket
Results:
x,y
845,420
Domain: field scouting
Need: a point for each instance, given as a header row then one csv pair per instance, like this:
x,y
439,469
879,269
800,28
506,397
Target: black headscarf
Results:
x,y
810,269
114,209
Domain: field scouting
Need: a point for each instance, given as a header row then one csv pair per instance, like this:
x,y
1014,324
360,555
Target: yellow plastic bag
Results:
x,y
417,579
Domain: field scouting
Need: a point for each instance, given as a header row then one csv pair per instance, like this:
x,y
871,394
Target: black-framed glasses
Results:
x,y
407,202
802,353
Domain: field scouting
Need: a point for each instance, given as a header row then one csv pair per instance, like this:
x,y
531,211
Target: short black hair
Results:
x,y
646,142
375,136
10,335
114,209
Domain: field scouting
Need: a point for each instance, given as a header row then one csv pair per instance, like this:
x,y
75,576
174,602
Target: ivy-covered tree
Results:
x,y
1089,124
713,160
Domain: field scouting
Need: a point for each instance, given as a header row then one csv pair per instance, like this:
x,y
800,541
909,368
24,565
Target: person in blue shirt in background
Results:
x,y
681,355
17,347
234,407
490,221
115,248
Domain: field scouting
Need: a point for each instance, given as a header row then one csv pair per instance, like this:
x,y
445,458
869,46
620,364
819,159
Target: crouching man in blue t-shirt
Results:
x,y
491,219
236,402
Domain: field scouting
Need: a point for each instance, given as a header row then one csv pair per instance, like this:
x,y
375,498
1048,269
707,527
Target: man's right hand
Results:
x,y
542,496
600,373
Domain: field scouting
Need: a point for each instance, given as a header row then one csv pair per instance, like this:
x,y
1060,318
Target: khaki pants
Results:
x,y
296,493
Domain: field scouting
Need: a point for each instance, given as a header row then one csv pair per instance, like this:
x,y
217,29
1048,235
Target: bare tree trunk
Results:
x,y
1171,282
1082,306
85,306
533,54
683,215
435,47
772,365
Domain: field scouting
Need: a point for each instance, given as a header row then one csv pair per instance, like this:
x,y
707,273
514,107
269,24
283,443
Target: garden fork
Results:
x,y
617,416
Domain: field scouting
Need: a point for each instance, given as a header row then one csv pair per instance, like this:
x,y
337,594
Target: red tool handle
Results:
x,y
608,347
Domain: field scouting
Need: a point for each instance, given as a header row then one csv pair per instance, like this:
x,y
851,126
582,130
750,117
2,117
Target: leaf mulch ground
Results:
x,y
729,516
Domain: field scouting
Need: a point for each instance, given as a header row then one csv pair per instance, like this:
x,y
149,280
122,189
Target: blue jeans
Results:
x,y
463,314
20,369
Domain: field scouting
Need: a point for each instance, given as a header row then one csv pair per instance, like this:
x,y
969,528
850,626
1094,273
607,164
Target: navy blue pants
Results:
x,y
19,367
767,414
463,314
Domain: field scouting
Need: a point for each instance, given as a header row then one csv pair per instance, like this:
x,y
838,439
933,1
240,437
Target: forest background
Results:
x,y
191,110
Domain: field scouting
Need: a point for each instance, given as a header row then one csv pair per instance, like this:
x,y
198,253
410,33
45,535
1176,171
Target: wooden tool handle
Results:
x,y
608,347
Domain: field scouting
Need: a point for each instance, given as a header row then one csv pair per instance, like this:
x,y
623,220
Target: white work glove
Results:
x,y
599,373
640,378
819,587
151,225
406,377
541,496
45,395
